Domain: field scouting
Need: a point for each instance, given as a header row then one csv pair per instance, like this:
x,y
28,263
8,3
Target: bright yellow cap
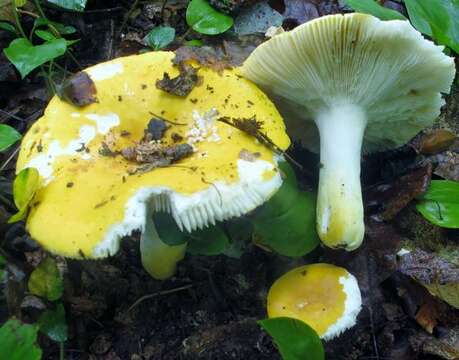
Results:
x,y
324,296
89,200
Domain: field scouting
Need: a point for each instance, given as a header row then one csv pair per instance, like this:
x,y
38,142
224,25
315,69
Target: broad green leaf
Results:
x,y
373,8
46,280
204,19
75,5
8,136
442,16
440,204
19,341
20,3
286,223
8,27
19,216
26,57
168,230
53,324
294,339
417,17
24,186
61,28
209,241
45,35
159,37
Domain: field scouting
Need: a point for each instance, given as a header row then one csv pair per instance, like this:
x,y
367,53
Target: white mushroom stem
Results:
x,y
339,204
159,259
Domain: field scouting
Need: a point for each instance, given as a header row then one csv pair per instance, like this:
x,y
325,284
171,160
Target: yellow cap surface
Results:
x,y
324,296
89,198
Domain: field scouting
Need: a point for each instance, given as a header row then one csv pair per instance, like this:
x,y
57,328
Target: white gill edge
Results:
x,y
218,202
352,307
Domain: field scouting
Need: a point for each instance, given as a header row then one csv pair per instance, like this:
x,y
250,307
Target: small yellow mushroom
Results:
x,y
324,296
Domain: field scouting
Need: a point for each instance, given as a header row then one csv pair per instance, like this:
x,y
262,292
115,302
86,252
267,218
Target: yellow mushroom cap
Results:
x,y
324,296
88,200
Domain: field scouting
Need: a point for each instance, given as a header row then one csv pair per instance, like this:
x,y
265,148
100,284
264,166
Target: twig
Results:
x,y
127,16
10,158
166,120
265,140
15,117
159,293
16,19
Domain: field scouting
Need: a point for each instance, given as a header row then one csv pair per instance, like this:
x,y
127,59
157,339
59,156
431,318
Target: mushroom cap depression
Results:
x,y
385,67
90,199
324,296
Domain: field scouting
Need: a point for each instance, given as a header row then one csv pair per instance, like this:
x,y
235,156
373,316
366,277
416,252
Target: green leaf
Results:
x,y
440,204
75,5
45,35
204,19
209,241
46,280
19,341
442,17
373,8
8,136
294,339
194,42
26,57
24,186
53,324
61,28
417,17
8,27
286,223
168,230
159,37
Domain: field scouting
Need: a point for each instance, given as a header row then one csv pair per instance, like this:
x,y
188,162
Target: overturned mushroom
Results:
x,y
358,81
91,198
324,296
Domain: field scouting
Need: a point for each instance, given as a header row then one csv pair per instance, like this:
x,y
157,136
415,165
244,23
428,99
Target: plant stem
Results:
x,y
126,17
61,350
16,19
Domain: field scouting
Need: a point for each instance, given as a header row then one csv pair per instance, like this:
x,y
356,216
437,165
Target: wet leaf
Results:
x,y
440,204
79,90
439,276
294,339
26,57
436,141
53,324
159,37
182,84
75,5
204,19
209,241
25,186
448,165
46,280
257,19
19,341
373,8
300,10
8,136
392,198
286,223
